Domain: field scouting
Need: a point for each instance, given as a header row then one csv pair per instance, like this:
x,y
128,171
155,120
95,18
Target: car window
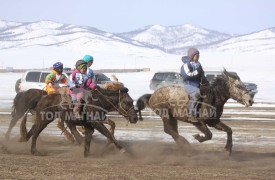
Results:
x,y
159,76
170,76
43,76
210,77
33,76
69,73
102,77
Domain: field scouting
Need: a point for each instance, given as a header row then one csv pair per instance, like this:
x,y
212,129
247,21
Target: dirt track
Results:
x,y
147,159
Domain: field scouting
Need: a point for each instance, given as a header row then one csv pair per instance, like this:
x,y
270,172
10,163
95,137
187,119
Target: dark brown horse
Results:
x,y
27,100
171,103
21,103
98,104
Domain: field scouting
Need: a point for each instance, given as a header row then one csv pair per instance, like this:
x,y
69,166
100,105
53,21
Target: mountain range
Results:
x,y
171,39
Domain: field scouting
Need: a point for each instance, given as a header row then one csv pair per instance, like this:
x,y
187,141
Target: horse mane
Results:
x,y
231,74
113,86
218,85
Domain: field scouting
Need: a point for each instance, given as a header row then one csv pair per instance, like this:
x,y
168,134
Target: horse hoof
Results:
x,y
70,139
37,153
197,137
22,139
123,151
229,152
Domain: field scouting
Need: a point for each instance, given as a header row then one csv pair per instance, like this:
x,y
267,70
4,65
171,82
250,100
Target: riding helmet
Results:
x,y
88,58
80,63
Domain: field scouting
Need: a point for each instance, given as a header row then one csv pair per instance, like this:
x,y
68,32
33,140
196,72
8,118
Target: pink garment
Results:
x,y
78,93
92,85
76,75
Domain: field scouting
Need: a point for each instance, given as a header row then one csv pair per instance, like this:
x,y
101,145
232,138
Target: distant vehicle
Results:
x,y
171,78
165,79
36,80
32,80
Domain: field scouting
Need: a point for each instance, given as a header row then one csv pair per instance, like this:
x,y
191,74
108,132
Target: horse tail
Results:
x,y
141,103
16,100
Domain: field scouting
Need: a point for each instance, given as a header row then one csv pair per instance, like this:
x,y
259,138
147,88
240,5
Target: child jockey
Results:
x,y
82,82
55,78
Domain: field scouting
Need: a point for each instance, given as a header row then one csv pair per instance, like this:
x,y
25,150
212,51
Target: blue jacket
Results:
x,y
190,74
91,74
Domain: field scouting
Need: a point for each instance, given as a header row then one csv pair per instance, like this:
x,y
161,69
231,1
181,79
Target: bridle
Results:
x,y
240,94
120,110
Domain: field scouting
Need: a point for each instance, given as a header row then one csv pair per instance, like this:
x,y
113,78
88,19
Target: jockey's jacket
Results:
x,y
81,80
54,78
91,74
190,74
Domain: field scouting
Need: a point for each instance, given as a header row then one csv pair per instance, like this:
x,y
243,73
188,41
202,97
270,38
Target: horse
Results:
x,y
21,104
98,104
171,104
27,100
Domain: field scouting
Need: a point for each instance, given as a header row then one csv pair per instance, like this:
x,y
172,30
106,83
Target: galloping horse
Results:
x,y
98,104
171,104
27,100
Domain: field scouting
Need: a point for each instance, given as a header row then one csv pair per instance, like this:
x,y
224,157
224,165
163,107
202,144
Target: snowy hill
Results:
x,y
255,42
48,33
40,44
176,39
45,42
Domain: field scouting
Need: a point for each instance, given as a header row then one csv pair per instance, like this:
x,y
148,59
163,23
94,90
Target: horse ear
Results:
x,y
225,72
124,89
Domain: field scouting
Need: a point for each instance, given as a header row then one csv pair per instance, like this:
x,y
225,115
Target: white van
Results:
x,y
32,80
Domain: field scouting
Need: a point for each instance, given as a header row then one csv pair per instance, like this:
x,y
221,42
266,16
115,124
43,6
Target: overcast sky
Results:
x,y
232,16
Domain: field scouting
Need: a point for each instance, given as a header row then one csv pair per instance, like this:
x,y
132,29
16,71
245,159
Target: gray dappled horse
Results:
x,y
171,103
101,101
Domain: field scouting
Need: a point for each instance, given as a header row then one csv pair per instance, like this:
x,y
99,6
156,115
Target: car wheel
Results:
x,y
17,85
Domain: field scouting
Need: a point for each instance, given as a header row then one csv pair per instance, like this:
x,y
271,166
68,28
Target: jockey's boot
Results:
x,y
193,116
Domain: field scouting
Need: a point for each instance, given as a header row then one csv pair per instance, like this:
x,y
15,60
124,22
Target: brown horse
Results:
x,y
171,103
27,100
98,104
21,103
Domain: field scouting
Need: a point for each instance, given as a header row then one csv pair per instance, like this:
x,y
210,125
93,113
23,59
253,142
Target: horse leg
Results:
x,y
37,130
69,136
77,136
112,125
205,130
104,131
140,116
23,129
171,128
88,137
15,117
223,127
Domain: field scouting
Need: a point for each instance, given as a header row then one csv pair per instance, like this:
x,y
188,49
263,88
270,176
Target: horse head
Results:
x,y
237,89
121,100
